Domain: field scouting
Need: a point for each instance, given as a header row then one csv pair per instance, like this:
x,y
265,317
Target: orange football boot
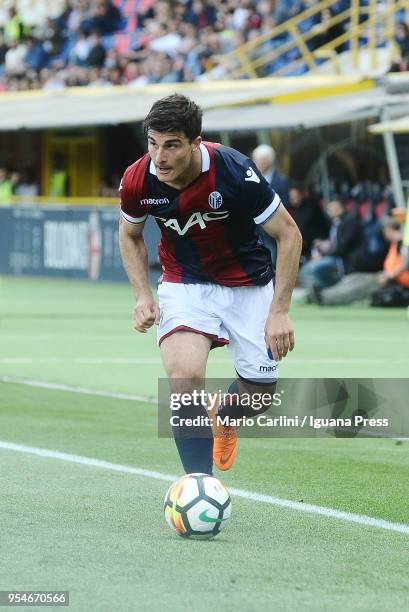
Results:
x,y
224,445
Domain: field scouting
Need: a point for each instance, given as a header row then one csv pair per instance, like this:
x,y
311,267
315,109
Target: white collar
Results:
x,y
205,158
205,161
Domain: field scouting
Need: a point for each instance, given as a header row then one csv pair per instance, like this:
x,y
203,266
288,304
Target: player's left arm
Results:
x,y
279,331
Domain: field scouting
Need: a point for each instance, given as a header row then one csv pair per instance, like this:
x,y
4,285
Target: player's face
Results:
x,y
172,153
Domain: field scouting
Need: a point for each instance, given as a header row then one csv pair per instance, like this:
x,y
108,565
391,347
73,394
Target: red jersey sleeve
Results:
x,y
133,192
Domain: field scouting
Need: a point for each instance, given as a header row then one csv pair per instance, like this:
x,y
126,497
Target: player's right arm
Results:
x,y
135,258
133,247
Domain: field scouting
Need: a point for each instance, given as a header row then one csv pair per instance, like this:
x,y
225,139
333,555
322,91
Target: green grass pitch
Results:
x,y
101,534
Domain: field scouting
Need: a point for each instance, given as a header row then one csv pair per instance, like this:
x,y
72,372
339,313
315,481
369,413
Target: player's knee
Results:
x,y
183,380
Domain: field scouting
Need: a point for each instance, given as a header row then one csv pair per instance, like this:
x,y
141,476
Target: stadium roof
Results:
x,y
314,113
229,105
397,126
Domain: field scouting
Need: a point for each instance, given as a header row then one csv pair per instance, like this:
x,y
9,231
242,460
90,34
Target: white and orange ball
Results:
x,y
197,506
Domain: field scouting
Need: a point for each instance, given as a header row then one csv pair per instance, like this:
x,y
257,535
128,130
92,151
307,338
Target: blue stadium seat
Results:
x,y
303,69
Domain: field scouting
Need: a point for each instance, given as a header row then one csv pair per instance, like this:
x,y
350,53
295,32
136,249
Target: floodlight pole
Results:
x,y
393,164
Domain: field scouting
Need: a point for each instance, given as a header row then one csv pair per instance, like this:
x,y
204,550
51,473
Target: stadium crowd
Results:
x,y
353,248
54,44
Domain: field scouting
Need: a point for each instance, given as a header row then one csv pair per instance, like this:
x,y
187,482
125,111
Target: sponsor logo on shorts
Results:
x,y
154,201
271,368
215,199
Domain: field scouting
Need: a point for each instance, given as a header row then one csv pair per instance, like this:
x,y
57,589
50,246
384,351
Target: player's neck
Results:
x,y
192,172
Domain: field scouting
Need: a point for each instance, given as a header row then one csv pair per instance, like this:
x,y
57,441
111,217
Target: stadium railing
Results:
x,y
366,28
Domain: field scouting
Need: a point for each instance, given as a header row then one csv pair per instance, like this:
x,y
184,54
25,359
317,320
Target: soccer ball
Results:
x,y
197,506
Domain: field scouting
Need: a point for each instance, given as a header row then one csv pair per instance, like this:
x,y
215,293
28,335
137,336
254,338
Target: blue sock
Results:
x,y
194,443
234,410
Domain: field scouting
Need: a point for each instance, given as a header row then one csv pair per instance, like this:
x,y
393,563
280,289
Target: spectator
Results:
x,y
51,37
372,254
402,38
3,47
264,157
61,20
36,57
81,49
14,61
97,78
59,182
7,183
26,185
325,32
104,18
52,79
311,220
115,76
285,9
202,14
97,54
14,28
332,258
392,283
135,76
79,13
166,40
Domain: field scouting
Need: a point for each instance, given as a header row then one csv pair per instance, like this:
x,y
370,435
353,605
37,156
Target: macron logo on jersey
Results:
x,y
196,218
154,201
252,176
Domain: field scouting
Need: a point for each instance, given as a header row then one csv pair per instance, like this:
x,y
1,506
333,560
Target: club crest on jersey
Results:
x,y
215,200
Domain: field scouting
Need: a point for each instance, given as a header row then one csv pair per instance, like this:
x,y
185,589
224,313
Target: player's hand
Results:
x,y
279,334
383,278
145,314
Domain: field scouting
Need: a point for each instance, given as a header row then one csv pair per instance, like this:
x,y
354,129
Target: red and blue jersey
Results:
x,y
208,228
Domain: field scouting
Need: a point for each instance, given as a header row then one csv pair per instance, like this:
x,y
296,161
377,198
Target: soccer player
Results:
x,y
216,287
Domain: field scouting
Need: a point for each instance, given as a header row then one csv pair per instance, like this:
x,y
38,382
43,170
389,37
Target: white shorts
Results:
x,y
227,315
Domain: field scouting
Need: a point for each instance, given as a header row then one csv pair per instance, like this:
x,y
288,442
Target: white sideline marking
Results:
x,y
82,390
361,519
